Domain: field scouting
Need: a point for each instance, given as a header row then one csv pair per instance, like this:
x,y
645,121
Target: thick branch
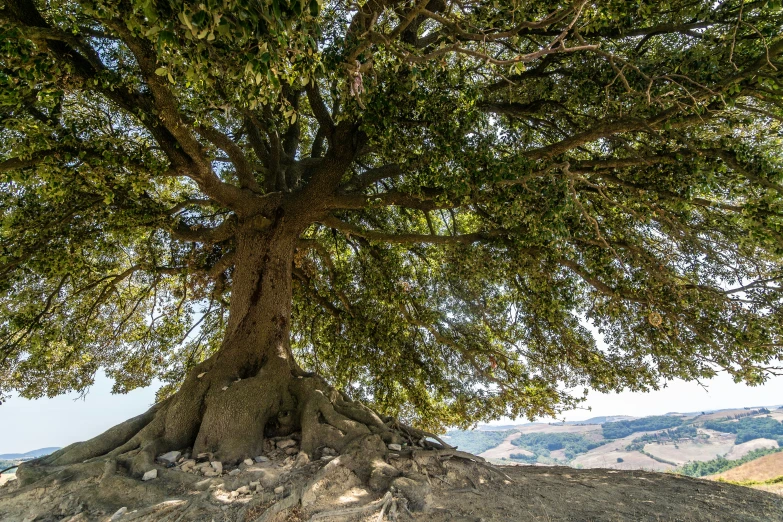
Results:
x,y
201,234
409,238
243,167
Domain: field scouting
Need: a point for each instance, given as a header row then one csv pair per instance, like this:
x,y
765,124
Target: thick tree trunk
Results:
x,y
225,404
250,389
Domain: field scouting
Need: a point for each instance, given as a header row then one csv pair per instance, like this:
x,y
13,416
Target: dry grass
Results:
x,y
723,414
764,468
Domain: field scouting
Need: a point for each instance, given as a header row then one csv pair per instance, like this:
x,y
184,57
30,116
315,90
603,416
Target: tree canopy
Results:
x,y
477,182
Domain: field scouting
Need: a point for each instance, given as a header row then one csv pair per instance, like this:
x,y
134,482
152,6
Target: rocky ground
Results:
x,y
431,485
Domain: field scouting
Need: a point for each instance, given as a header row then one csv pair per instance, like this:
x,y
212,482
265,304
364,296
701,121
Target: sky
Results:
x,y
26,425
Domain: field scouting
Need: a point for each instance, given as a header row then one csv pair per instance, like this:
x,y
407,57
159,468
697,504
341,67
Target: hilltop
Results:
x,y
616,454
431,486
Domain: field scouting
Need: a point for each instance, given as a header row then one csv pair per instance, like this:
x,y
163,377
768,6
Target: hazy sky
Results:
x,y
26,425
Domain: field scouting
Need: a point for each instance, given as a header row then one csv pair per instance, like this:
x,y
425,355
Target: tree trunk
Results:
x,y
250,389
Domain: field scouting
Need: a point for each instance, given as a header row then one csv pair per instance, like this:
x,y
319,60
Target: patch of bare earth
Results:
x,y
722,414
691,450
740,450
614,455
409,485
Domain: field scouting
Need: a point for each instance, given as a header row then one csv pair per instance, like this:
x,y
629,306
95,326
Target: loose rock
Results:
x,y
291,451
248,462
279,490
244,490
283,444
395,447
256,485
187,465
328,452
217,466
118,514
151,474
234,472
170,457
301,459
261,459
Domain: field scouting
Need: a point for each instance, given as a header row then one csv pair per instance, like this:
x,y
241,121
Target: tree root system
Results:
x,y
367,483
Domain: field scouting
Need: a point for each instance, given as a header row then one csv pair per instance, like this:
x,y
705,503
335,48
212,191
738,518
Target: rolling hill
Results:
x,y
688,443
34,454
762,469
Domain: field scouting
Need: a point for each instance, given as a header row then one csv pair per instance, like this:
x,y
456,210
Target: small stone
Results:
x,y
394,455
170,457
327,458
328,451
244,490
118,514
248,462
217,466
395,447
224,388
234,472
291,451
261,459
233,494
256,485
279,490
187,464
301,459
211,473
151,474
200,375
283,444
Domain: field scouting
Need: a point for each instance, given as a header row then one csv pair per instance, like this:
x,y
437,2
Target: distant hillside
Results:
x,y
34,454
696,444
765,468
604,419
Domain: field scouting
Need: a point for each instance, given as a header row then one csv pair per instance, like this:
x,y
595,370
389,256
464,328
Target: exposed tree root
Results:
x,y
388,485
230,413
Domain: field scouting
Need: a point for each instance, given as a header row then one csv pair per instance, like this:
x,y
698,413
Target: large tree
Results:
x,y
422,203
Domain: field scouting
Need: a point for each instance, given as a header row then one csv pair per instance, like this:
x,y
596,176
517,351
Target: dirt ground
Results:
x,y
511,493
567,494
